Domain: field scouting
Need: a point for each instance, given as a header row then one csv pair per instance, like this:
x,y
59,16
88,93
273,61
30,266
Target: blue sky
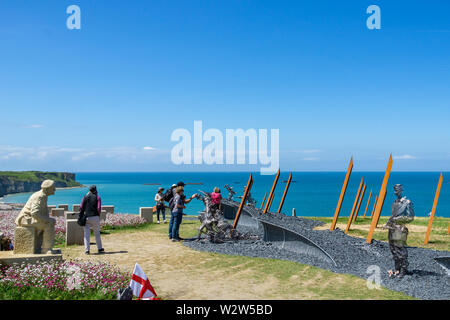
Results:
x,y
93,99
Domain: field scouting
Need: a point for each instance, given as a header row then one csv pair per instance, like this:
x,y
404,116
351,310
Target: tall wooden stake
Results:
x,y
243,200
374,205
264,200
368,202
433,210
269,201
360,201
380,202
284,194
354,205
341,197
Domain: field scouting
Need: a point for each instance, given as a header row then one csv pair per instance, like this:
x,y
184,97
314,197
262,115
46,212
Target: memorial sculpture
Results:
x,y
35,214
231,192
250,200
213,224
401,214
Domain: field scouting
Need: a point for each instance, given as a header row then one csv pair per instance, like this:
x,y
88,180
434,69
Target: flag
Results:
x,y
141,286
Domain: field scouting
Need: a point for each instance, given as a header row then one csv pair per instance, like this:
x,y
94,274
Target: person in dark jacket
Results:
x,y
91,206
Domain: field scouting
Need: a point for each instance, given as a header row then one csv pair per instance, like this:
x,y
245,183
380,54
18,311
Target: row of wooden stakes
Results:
x,y
378,204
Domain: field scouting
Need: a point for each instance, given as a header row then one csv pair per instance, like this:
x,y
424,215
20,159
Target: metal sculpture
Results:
x,y
360,201
380,201
231,192
264,200
368,202
271,194
402,213
285,192
244,198
341,197
354,206
374,205
433,210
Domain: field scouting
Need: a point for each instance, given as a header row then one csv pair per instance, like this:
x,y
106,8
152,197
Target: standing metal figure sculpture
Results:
x,y
402,213
250,200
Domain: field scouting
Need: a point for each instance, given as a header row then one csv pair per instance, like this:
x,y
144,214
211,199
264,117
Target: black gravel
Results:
x,y
426,280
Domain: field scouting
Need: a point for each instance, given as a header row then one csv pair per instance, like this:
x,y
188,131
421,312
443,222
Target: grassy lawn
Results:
x,y
439,239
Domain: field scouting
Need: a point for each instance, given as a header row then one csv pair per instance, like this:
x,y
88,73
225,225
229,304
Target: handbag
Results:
x,y
81,219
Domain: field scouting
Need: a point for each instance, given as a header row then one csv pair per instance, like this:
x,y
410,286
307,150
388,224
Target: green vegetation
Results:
x,y
38,176
9,292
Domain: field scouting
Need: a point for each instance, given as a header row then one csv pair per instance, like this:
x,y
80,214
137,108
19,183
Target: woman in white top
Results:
x,y
159,198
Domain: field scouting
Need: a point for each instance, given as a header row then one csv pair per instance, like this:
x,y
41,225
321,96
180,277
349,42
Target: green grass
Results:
x,y
8,292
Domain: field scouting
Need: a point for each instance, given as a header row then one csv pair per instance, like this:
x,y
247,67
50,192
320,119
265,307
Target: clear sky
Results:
x,y
107,97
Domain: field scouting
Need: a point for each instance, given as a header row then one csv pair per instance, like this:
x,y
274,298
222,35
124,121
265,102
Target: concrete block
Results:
x,y
25,240
64,206
50,208
10,258
76,208
146,213
74,232
108,209
58,212
103,215
72,215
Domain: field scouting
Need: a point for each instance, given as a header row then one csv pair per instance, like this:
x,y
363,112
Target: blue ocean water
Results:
x,y
310,193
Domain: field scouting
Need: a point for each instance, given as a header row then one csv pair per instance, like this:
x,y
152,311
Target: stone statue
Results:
x,y
231,192
35,214
402,213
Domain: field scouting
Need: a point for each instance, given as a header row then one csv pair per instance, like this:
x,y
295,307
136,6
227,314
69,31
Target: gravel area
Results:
x,y
427,279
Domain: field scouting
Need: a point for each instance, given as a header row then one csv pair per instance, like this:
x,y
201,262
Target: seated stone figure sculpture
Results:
x,y
35,214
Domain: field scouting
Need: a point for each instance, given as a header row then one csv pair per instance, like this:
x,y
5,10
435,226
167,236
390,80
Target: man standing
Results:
x,y
178,204
35,214
402,213
91,206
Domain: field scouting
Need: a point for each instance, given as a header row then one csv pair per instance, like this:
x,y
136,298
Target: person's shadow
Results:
x,y
423,273
110,252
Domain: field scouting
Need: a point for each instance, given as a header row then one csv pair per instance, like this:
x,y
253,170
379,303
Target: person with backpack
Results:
x,y
179,202
160,207
91,207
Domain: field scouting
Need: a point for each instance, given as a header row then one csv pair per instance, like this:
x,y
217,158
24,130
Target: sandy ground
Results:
x,y
174,270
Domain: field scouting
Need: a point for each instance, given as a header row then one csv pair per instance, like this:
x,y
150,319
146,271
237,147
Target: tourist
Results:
x,y
91,206
216,199
160,207
176,217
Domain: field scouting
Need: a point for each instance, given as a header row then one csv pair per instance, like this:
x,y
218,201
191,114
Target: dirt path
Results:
x,y
174,270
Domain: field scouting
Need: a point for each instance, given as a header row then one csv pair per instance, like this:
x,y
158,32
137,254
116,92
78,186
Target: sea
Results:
x,y
314,194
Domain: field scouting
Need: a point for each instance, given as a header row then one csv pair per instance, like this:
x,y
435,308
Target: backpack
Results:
x,y
168,195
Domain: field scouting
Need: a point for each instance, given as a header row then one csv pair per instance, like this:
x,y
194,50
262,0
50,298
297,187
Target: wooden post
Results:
x,y
433,210
374,205
448,231
269,201
380,202
354,205
368,202
264,200
243,200
341,197
360,201
285,192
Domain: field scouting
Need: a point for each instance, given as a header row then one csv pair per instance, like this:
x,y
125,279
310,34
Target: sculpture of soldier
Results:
x,y
231,192
35,214
401,214
250,200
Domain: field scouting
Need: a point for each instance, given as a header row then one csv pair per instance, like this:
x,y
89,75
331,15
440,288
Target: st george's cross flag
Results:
x,y
141,286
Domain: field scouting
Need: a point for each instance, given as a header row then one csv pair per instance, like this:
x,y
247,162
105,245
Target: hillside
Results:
x,y
29,181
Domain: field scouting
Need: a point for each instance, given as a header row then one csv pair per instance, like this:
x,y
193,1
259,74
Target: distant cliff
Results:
x,y
29,181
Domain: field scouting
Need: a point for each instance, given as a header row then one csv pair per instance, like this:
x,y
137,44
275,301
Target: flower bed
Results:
x,y
62,280
113,221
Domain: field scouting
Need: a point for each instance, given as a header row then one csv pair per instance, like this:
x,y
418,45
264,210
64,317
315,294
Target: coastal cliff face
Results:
x,y
30,181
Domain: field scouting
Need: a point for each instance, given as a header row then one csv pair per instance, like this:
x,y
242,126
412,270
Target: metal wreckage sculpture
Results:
x,y
214,225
